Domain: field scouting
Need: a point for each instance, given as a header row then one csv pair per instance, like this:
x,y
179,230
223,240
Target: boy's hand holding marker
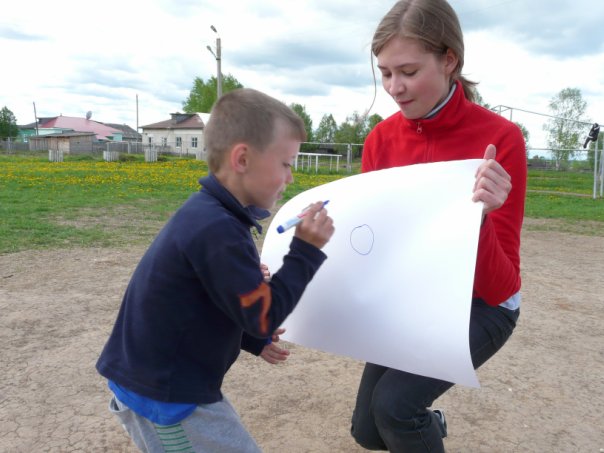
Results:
x,y
313,225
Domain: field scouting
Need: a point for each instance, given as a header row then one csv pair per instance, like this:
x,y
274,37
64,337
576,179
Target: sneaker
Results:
x,y
442,422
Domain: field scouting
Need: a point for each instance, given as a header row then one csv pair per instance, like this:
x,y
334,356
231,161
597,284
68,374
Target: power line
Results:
x,y
502,108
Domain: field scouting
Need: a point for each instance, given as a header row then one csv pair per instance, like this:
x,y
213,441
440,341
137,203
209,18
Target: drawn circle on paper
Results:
x,y
361,239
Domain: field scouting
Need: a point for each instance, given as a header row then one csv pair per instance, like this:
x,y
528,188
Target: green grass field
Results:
x,y
91,203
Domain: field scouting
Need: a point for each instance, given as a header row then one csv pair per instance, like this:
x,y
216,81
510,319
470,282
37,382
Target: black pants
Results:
x,y
391,411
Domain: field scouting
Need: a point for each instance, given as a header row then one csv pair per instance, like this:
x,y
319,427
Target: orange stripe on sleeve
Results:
x,y
262,294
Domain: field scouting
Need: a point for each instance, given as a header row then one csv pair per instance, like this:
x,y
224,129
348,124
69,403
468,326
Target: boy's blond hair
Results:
x,y
246,116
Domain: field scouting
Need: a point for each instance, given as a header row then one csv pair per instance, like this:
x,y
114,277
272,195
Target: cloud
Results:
x,y
110,73
11,33
312,52
557,28
290,54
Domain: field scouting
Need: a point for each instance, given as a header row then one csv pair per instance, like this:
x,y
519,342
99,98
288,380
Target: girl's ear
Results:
x,y
239,157
451,62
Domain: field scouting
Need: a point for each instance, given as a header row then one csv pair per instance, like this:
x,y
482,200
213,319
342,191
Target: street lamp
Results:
x,y
217,56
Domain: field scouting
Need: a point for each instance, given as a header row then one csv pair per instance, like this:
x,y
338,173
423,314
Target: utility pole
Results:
x,y
593,136
218,58
137,116
36,118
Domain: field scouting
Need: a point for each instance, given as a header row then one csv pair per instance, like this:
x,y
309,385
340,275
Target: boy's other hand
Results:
x,y
316,227
273,353
266,274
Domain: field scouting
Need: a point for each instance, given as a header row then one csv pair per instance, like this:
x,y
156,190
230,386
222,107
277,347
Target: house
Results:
x,y
28,130
128,134
60,124
67,142
182,133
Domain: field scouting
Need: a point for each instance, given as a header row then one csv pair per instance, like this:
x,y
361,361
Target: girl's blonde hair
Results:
x,y
434,23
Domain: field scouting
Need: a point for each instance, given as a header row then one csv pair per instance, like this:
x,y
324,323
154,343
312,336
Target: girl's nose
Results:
x,y
395,86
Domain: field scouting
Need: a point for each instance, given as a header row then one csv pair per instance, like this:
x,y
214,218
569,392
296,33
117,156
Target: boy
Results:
x,y
199,296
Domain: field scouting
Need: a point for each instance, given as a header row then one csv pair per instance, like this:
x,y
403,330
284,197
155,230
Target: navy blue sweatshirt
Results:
x,y
197,297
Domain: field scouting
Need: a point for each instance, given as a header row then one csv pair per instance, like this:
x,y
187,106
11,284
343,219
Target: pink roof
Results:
x,y
102,131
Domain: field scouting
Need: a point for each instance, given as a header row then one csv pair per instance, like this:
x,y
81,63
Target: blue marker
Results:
x,y
295,220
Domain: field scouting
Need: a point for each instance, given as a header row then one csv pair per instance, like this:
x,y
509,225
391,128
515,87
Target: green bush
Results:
x,y
81,157
127,157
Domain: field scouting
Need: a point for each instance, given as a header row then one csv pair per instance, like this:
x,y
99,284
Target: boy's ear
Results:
x,y
239,157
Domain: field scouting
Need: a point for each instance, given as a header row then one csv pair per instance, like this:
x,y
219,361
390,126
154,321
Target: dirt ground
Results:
x,y
544,392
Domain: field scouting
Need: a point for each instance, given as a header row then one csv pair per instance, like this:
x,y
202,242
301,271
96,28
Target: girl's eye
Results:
x,y
409,73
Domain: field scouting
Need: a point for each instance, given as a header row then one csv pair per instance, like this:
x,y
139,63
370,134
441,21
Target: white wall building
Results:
x,y
182,133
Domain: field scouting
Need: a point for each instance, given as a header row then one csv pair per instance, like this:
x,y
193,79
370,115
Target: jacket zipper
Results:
x,y
427,152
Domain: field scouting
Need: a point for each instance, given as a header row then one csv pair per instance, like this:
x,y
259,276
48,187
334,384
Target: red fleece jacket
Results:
x,y
462,130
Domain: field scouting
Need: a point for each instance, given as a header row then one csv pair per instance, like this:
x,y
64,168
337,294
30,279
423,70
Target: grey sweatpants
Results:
x,y
211,428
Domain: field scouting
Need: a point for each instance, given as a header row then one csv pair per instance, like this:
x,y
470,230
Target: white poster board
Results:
x,y
396,288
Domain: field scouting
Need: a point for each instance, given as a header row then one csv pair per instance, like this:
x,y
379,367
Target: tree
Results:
x,y
372,122
8,124
301,111
479,100
565,128
326,132
203,94
353,130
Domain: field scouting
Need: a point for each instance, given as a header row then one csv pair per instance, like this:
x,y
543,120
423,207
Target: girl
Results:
x,y
420,54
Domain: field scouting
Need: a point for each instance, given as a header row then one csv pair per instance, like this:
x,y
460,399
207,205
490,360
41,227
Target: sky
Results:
x,y
69,57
